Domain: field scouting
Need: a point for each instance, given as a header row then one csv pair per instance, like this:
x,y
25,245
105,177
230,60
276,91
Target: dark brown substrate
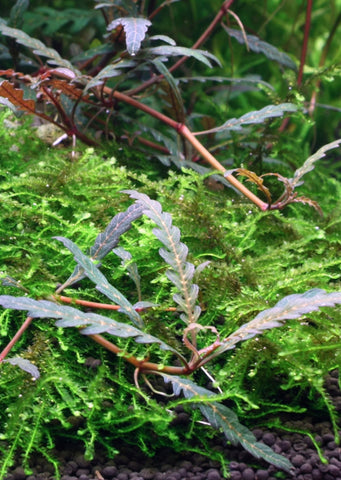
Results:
x,y
130,464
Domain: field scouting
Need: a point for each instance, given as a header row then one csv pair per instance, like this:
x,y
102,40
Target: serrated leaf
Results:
x,y
143,305
309,163
131,268
107,240
37,47
11,282
25,365
135,29
247,79
175,255
254,178
222,417
71,317
102,284
171,91
120,224
163,38
259,46
258,116
175,51
308,201
290,307
8,104
17,12
16,97
110,71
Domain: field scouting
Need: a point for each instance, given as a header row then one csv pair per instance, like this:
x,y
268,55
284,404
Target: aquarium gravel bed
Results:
x,y
131,464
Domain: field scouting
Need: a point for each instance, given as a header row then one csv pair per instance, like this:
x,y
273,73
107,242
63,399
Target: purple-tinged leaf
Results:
x,y
110,71
222,417
108,240
120,224
143,305
175,254
258,116
102,284
37,47
259,46
135,29
175,51
309,163
25,365
90,323
11,282
290,307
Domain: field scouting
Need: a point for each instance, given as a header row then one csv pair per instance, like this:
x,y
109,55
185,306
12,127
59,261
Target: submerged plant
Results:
x,y
97,93
151,351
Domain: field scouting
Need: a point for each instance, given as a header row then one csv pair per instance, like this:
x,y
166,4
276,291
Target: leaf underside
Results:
x,y
309,163
290,307
259,46
223,417
258,116
108,240
91,323
135,29
25,365
175,255
102,284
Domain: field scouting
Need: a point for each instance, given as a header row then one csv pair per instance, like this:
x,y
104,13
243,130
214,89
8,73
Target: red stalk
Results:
x,y
16,337
186,133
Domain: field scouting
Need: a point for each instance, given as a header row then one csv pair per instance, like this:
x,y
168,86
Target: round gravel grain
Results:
x,y
269,439
248,474
213,475
262,475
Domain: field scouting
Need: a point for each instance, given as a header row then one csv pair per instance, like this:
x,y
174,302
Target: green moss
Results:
x,y
256,258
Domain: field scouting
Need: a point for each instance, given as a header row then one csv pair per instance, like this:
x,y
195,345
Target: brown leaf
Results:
x,y
308,201
254,178
16,97
66,88
174,107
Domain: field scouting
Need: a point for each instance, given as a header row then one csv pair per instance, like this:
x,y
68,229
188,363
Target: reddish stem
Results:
x,y
305,41
16,337
322,62
303,55
102,306
142,365
186,133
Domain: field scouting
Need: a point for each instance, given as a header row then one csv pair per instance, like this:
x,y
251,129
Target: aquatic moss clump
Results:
x,y
255,259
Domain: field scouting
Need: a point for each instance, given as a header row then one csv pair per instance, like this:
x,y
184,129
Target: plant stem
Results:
x,y
186,133
322,62
103,306
16,337
305,41
142,365
303,55
183,130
